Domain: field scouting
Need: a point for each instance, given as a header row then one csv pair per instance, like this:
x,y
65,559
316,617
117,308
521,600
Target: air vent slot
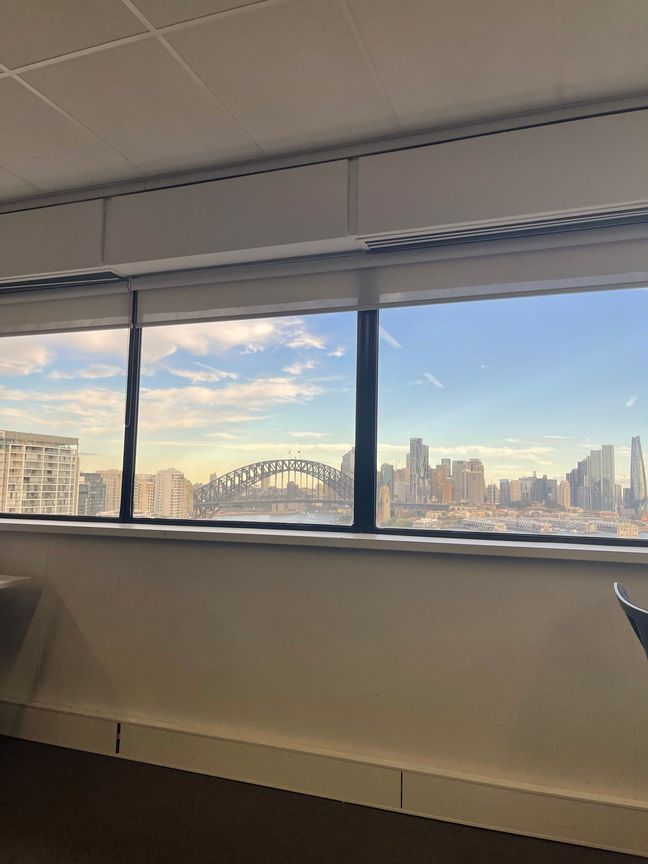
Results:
x,y
504,231
105,277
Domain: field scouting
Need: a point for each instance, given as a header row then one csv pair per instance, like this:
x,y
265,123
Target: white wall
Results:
x,y
518,671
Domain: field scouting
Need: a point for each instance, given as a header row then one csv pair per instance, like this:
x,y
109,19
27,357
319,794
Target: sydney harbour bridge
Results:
x,y
276,482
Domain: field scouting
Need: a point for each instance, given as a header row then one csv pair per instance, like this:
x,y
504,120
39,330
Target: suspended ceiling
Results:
x,y
101,91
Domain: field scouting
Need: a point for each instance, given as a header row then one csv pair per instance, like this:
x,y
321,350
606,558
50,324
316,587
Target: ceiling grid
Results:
x,y
97,92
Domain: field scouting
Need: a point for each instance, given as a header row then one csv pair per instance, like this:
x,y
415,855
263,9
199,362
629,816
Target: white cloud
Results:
x,y
205,374
304,339
309,434
340,351
631,401
198,407
433,380
558,437
24,355
249,336
298,368
388,338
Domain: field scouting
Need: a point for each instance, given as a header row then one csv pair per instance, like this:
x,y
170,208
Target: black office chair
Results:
x,y
637,617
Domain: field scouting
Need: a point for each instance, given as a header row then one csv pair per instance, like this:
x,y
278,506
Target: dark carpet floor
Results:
x,y
64,807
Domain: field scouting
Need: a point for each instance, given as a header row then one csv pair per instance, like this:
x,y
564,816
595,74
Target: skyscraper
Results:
x,y
348,463
418,469
638,490
608,479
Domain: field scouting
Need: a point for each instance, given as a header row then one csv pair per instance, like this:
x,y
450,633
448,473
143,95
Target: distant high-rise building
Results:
x,y
476,484
563,494
112,479
418,463
92,494
608,479
170,494
460,470
384,505
144,494
387,477
348,463
492,493
592,483
638,490
505,492
38,473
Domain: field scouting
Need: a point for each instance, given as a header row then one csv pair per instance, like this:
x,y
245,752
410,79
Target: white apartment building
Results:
x,y
38,473
112,479
170,494
144,495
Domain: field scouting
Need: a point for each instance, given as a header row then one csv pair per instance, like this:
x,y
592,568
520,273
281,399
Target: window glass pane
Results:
x,y
248,420
62,400
521,415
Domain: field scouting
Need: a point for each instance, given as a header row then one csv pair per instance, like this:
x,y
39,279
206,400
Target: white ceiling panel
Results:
x,y
454,60
291,73
141,101
163,12
601,47
14,187
32,30
46,149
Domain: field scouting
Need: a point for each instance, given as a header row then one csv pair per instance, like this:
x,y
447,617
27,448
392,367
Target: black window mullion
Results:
x,y
364,487
130,423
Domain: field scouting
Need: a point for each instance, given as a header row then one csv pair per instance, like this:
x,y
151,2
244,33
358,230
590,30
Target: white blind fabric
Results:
x,y
606,257
51,310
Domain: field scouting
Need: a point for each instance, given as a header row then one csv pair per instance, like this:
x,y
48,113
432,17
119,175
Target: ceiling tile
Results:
x,y
32,30
291,73
14,187
454,60
163,12
141,101
602,47
43,147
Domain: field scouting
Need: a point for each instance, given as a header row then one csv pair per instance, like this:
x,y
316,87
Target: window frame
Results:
x,y
366,447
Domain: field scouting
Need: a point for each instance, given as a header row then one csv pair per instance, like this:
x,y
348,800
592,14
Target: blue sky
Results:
x,y
524,384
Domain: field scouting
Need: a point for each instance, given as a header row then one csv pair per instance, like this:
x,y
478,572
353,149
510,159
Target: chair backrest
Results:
x,y
637,617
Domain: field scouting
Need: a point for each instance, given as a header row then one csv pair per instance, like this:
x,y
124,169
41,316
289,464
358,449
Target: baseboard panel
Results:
x,y
61,728
587,820
554,815
312,774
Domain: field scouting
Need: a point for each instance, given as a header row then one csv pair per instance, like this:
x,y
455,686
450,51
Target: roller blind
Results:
x,y
541,264
54,309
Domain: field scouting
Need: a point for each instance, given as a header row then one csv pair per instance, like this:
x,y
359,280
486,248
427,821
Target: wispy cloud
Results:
x,y
433,380
298,368
631,401
558,437
309,434
204,375
388,338
340,351
92,372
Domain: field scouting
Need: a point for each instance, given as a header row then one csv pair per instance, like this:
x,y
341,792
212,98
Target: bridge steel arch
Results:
x,y
232,486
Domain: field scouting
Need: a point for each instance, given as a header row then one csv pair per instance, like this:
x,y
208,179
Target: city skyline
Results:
x,y
523,384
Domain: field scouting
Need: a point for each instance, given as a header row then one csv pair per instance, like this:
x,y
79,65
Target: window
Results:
x,y
490,391
62,399
248,420
522,415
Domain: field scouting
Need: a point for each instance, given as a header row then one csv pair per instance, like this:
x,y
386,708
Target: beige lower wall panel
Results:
x,y
266,766
622,827
75,731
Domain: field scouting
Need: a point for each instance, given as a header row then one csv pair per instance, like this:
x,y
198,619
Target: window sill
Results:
x,y
338,540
